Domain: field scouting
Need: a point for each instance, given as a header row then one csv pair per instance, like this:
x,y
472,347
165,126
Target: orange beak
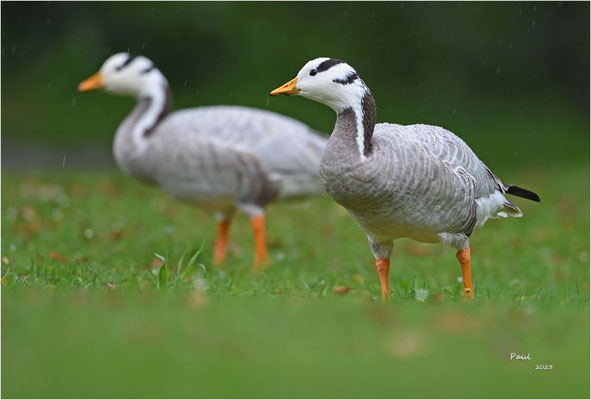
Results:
x,y
288,88
94,82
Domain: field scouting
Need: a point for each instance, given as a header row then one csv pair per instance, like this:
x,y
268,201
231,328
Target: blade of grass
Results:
x,y
162,273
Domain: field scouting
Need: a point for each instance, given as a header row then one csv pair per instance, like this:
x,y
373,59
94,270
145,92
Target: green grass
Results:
x,y
86,312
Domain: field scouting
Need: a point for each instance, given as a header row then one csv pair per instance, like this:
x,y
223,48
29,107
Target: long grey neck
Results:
x,y
356,124
135,132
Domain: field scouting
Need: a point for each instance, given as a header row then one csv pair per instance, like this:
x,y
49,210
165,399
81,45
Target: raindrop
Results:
x,y
73,101
64,162
143,46
268,98
533,23
454,113
185,84
12,247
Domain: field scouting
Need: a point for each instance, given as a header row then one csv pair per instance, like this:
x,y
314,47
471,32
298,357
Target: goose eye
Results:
x,y
313,72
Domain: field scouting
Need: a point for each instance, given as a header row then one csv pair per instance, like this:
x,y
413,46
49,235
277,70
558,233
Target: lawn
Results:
x,y
87,310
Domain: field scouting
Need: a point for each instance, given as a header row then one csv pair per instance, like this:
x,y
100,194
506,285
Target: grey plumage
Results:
x,y
221,157
419,180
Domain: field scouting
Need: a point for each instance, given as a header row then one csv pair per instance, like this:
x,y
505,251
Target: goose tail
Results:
x,y
521,192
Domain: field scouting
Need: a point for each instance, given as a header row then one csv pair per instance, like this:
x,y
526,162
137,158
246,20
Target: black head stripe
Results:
x,y
146,70
331,62
352,77
130,58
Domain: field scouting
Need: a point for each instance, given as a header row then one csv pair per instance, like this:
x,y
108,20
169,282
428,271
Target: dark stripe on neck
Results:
x,y
368,107
352,77
331,62
130,58
163,111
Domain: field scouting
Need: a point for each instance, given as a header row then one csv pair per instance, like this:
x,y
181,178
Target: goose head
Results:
x,y
329,81
127,75
336,84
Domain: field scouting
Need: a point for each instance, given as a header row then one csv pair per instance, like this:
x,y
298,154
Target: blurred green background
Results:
x,y
512,79
83,314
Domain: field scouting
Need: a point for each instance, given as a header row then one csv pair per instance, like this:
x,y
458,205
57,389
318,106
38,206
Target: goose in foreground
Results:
x,y
222,158
415,181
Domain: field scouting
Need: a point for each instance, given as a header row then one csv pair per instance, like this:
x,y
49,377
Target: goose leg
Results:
x,y
464,259
221,242
260,242
383,267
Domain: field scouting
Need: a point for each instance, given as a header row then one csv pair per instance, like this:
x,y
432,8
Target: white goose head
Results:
x,y
328,81
128,75
336,84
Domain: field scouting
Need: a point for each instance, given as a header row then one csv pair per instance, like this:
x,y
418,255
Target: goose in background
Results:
x,y
222,158
415,181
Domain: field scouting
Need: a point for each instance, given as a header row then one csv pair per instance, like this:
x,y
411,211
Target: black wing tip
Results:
x,y
521,192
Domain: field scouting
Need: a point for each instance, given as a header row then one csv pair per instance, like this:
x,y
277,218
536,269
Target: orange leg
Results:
x,y
221,243
464,259
260,242
383,266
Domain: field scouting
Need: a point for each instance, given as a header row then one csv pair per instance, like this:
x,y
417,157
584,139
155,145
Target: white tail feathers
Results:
x,y
511,210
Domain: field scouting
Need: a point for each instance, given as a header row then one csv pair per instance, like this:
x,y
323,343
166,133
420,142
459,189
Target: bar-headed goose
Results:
x,y
223,158
417,181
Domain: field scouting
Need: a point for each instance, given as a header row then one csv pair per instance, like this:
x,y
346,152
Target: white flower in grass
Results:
x,y
421,295
88,233
200,284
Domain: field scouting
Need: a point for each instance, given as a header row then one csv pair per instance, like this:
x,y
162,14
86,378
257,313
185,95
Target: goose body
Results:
x,y
421,182
225,158
416,181
222,158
